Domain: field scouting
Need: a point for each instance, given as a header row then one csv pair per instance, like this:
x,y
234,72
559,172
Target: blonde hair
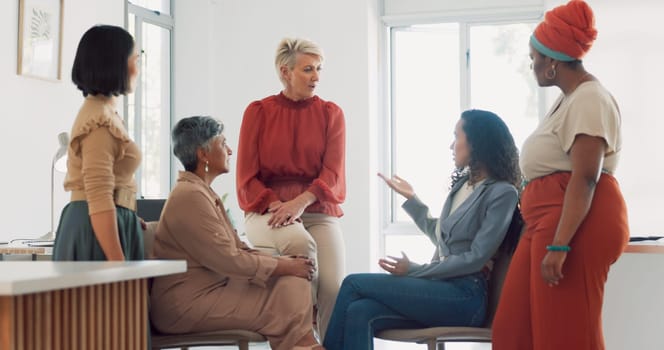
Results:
x,y
289,48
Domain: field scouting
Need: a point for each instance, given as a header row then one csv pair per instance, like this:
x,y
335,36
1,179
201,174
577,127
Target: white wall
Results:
x,y
234,62
34,112
193,58
633,312
406,12
406,7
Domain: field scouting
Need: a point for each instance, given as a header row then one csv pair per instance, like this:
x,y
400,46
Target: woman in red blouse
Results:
x,y
291,171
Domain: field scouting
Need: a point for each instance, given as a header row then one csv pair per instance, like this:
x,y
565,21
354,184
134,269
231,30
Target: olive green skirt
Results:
x,y
76,240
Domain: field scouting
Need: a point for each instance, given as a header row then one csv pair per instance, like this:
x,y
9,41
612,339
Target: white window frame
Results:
x,y
166,21
388,199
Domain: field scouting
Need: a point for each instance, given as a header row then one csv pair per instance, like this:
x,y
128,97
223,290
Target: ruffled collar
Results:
x,y
285,101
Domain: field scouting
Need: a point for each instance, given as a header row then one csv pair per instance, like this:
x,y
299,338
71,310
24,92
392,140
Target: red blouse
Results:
x,y
287,147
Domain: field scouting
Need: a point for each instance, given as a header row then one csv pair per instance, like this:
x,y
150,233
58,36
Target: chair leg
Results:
x,y
431,344
243,345
441,346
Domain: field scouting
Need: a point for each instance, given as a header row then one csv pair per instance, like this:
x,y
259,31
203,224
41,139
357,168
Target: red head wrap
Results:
x,y
568,29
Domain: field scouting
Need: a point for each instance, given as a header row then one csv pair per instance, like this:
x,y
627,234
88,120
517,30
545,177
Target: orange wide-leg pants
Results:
x,y
531,314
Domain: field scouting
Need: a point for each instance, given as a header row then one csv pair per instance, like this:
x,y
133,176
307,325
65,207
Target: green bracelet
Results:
x,y
558,248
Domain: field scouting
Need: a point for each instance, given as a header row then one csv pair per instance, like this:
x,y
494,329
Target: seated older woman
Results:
x,y
227,285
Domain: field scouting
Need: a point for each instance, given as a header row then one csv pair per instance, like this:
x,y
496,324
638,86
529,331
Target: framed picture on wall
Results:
x,y
40,38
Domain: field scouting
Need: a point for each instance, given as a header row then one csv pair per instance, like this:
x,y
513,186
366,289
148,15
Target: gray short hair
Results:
x,y
190,134
289,48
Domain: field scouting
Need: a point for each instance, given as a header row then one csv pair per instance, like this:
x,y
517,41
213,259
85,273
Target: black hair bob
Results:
x,y
101,62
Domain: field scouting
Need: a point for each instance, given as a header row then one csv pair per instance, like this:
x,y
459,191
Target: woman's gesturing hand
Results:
x,y
394,265
399,185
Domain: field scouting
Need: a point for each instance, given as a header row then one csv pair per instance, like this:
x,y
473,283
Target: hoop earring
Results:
x,y
206,166
552,75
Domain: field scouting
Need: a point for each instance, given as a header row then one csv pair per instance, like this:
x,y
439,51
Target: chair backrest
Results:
x,y
149,209
501,264
148,239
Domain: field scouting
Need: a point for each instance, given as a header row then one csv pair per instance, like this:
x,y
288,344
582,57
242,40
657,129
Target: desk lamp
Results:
x,y
63,140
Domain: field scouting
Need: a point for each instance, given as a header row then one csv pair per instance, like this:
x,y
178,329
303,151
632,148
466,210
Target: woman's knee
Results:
x,y
295,241
292,282
354,283
365,314
294,291
360,279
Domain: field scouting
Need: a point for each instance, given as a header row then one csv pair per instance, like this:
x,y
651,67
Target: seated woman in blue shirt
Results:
x,y
451,290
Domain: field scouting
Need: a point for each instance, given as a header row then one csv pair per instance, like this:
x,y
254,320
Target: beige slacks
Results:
x,y
318,236
279,311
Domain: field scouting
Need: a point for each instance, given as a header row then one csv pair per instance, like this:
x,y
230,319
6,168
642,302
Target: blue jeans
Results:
x,y
371,302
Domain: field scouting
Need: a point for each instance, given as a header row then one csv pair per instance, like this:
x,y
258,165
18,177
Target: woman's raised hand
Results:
x,y
399,185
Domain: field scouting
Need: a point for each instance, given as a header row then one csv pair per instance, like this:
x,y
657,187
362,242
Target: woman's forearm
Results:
x,y
105,227
306,198
576,204
587,156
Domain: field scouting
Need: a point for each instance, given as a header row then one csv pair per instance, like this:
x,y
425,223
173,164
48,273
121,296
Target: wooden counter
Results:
x,y
645,248
77,305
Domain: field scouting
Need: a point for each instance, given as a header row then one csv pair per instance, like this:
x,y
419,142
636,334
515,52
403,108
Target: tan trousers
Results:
x,y
279,311
318,236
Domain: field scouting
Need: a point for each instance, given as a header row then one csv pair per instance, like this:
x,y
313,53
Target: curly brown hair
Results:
x,y
492,148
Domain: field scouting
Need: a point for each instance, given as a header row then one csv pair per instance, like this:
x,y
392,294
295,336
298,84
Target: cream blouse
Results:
x,y
589,109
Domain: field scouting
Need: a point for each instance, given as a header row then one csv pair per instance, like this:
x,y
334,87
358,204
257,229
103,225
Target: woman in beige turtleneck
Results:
x,y
100,222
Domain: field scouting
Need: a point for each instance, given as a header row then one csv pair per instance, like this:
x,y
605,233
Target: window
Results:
x,y
160,6
436,72
148,109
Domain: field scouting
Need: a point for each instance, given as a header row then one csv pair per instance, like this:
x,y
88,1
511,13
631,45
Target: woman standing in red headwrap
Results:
x,y
575,215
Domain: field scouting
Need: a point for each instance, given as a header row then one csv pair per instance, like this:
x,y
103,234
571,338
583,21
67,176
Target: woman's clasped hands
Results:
x,y
287,213
298,266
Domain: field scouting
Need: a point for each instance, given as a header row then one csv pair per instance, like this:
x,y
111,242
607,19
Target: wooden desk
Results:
x,y
21,248
645,248
77,305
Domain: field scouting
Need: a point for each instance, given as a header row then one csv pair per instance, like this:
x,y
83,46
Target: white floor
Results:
x,y
379,345
384,345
